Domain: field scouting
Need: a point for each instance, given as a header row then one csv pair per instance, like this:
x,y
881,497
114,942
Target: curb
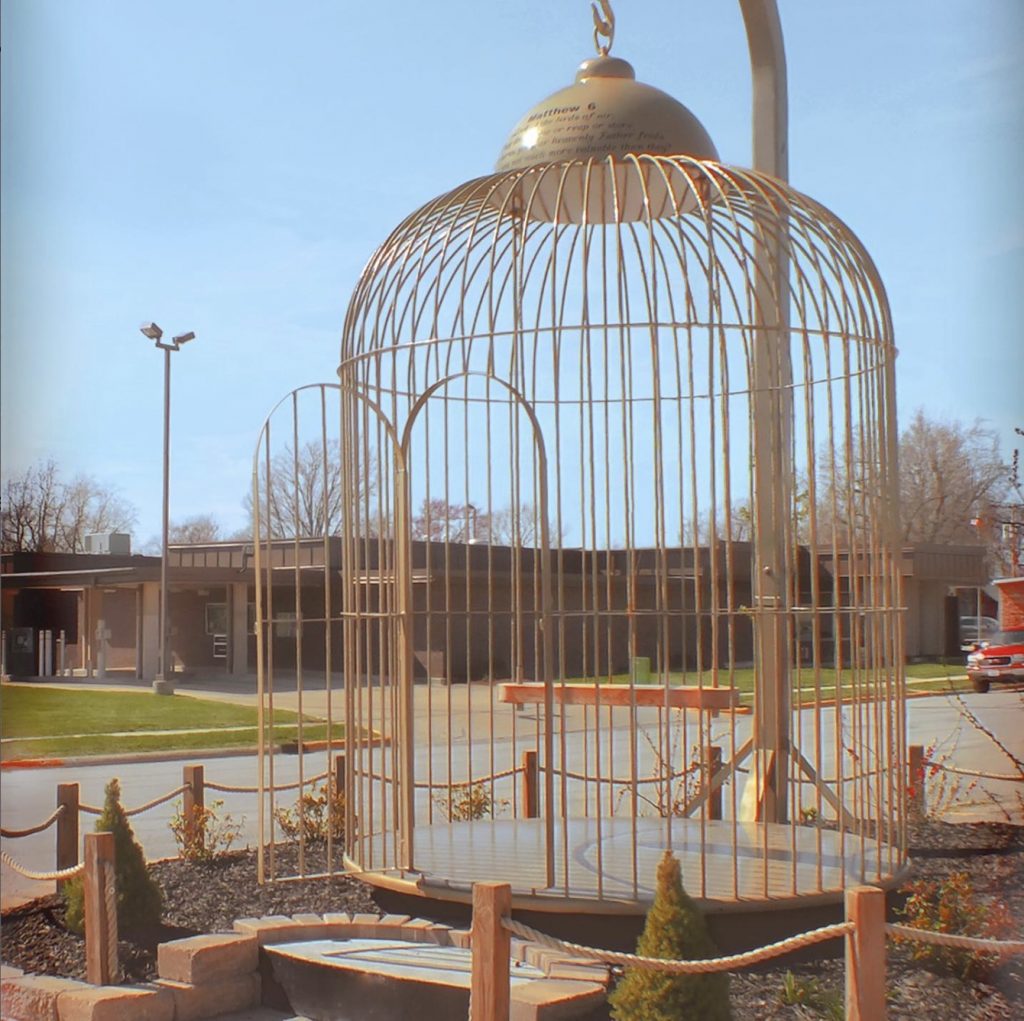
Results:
x,y
242,751
113,760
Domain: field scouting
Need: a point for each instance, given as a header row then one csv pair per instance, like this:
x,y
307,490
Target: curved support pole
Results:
x,y
770,114
766,795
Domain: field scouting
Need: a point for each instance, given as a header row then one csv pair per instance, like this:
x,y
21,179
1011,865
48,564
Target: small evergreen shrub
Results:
x,y
674,929
139,902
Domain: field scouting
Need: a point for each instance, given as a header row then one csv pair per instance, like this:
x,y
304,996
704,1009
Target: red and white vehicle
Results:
x,y
999,658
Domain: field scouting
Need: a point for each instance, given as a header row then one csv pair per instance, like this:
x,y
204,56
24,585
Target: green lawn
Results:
x,y
62,722
943,670
743,679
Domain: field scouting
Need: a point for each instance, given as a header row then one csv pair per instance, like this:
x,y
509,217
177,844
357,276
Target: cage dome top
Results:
x,y
605,112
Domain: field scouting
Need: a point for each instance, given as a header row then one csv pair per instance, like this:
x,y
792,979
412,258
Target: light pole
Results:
x,y
163,684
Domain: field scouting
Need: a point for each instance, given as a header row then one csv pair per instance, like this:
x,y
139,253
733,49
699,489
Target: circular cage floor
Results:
x,y
607,865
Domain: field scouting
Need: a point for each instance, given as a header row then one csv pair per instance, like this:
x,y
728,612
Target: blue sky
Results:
x,y
229,167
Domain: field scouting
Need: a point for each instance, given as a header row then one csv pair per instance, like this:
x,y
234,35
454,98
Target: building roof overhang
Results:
x,y
87,578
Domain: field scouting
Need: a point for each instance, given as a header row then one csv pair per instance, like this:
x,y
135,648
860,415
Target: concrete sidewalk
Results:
x,y
218,686
242,689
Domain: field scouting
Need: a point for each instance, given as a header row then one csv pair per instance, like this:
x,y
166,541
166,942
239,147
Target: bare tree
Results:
x,y
954,486
439,520
43,513
737,526
1001,526
196,529
30,508
304,497
518,526
949,474
88,506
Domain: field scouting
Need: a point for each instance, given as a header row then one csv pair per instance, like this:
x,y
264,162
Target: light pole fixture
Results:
x,y
163,684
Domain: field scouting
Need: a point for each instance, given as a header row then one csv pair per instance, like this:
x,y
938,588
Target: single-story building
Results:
x,y
940,584
106,606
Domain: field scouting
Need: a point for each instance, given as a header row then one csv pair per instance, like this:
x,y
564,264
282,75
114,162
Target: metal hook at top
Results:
x,y
603,26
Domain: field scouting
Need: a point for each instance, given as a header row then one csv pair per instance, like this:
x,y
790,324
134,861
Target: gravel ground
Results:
x,y
33,937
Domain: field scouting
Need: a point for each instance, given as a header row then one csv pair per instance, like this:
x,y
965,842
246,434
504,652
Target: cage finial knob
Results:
x,y
603,26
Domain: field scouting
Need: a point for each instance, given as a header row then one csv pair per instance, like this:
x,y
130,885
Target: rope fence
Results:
x,y
209,784
430,785
611,781
736,962
44,877
615,781
1002,947
156,801
531,769
277,789
704,966
45,824
65,816
129,812
569,774
864,930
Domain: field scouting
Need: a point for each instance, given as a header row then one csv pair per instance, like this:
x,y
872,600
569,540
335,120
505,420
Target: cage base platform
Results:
x,y
750,879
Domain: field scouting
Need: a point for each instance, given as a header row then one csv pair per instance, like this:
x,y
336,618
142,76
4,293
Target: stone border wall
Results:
x,y
220,973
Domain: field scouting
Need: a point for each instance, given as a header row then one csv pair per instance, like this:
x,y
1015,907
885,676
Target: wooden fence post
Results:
x,y
101,966
865,954
194,803
67,828
915,780
531,786
713,766
339,773
491,946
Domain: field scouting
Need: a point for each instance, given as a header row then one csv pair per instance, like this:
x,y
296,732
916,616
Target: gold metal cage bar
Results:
x,y
614,567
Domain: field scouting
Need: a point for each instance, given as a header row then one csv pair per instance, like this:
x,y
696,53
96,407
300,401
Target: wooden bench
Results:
x,y
684,696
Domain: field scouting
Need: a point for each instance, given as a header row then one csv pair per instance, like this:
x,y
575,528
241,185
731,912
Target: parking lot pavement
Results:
x,y
978,734
968,731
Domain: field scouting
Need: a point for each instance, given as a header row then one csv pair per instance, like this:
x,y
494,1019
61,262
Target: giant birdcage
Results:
x,y
615,567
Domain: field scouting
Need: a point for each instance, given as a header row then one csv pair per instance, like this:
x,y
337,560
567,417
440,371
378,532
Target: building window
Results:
x,y
216,618
284,625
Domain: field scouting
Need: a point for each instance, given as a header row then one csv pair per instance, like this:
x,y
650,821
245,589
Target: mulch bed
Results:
x,y
198,897
208,897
